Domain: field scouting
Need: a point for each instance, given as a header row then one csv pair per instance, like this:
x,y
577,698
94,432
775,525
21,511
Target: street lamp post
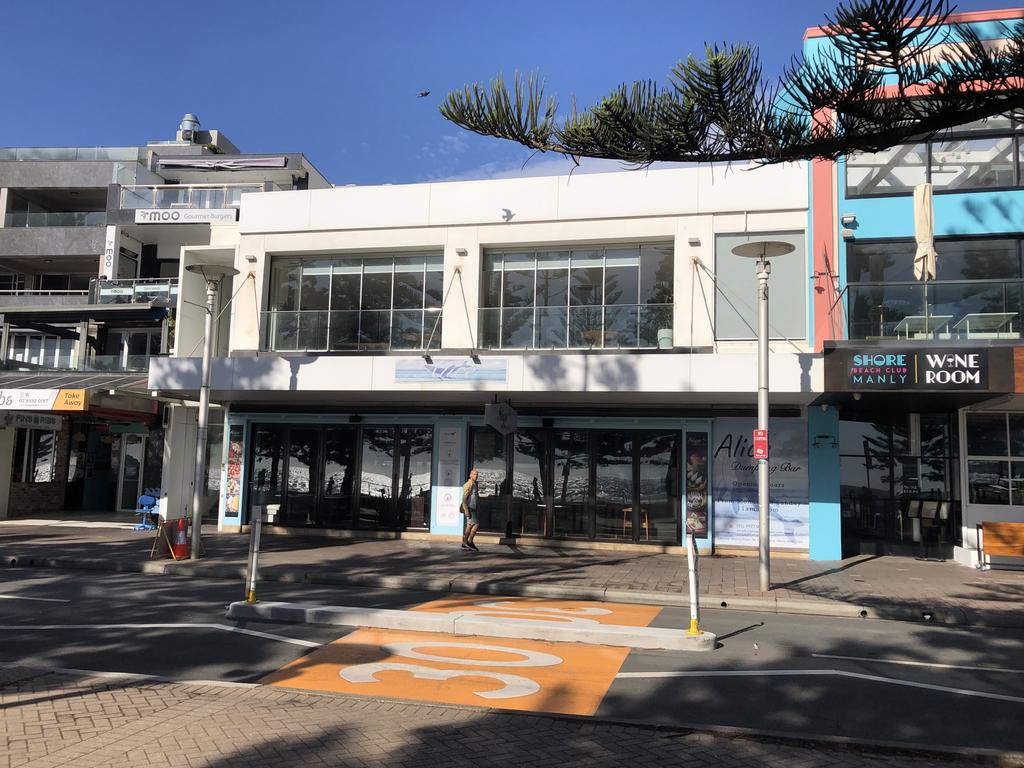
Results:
x,y
212,274
762,250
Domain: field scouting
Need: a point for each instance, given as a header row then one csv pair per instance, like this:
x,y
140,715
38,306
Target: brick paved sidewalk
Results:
x,y
890,587
52,720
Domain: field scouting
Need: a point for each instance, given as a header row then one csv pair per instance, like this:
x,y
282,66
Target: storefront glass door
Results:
x,y
303,465
133,456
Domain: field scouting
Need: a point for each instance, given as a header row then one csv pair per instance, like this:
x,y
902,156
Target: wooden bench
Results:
x,y
1001,540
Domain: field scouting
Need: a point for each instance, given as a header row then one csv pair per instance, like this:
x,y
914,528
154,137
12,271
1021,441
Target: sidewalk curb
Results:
x,y
937,613
460,624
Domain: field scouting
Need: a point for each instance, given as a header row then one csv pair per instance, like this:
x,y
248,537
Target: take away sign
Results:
x,y
43,399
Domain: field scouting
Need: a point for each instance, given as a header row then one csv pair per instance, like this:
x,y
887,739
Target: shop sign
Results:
x,y
501,417
735,486
233,490
449,499
185,215
31,420
43,399
450,369
887,369
697,484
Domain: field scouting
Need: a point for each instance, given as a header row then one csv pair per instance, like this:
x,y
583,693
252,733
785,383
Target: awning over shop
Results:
x,y
121,314
223,162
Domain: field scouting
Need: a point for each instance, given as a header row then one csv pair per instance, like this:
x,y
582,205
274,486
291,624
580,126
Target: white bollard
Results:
x,y
691,562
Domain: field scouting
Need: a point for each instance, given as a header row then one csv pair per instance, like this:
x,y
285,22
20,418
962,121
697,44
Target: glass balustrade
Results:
x,y
349,330
969,309
619,326
61,219
141,291
199,196
98,363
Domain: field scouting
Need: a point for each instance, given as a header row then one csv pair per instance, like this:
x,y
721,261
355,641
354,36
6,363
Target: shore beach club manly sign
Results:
x,y
888,369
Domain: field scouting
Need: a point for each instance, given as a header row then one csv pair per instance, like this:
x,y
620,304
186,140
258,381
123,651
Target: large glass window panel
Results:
x,y
979,259
433,290
973,163
866,494
344,330
338,476
346,284
586,326
408,284
880,262
895,311
620,326
552,287
1017,483
1016,434
656,274
552,325
621,285
490,328
571,508
303,463
895,170
614,484
517,328
518,289
936,439
490,459
267,469
376,287
414,478
530,473
986,434
374,329
653,320
988,482
376,508
316,286
407,330
660,499
585,286
42,462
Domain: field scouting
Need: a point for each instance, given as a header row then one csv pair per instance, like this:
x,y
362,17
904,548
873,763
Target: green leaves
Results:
x,y
880,77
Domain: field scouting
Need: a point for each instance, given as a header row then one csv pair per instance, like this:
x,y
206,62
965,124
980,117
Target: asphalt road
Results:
x,y
884,681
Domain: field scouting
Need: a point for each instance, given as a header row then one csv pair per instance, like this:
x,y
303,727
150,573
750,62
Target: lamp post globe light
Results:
x,y
213,274
762,250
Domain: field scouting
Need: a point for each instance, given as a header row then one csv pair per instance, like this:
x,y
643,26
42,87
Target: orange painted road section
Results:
x,y
528,675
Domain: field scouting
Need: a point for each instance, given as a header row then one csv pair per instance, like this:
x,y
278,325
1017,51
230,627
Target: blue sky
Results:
x,y
338,79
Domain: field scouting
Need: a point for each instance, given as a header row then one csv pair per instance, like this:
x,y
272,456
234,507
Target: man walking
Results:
x,y
470,500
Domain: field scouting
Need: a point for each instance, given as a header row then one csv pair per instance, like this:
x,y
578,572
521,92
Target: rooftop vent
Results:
x,y
188,127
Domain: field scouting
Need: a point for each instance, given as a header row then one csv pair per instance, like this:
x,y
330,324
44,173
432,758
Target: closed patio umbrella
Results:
x,y
924,233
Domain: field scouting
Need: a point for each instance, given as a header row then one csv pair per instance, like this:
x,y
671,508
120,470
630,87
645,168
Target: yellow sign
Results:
x,y
71,400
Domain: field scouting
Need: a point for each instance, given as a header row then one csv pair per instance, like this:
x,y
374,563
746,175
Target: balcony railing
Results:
x,y
140,291
349,330
64,362
620,326
186,196
966,309
65,219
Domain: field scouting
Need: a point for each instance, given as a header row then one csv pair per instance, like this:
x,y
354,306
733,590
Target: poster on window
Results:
x,y
734,483
233,492
697,484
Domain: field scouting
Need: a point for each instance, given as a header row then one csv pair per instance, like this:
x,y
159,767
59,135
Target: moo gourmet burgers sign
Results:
x,y
888,369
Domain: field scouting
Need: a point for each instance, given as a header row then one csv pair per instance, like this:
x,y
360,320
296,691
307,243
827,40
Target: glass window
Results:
x,y
530,485
988,482
490,459
42,463
986,434
656,274
1016,434
376,484
961,164
657,516
895,170
415,452
266,476
571,516
614,483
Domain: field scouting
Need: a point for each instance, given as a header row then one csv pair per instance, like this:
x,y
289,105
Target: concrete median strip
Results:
x,y
651,638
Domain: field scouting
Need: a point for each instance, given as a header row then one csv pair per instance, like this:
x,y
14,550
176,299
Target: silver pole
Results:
x,y
204,417
764,521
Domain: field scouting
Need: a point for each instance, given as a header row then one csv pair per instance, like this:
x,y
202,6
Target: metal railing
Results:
x,y
60,219
611,326
186,195
974,309
140,291
349,330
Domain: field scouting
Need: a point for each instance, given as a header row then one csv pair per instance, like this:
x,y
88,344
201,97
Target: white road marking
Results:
x,y
529,658
820,673
221,627
38,599
909,663
514,685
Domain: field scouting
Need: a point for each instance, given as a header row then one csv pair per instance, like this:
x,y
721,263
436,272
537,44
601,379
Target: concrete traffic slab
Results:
x,y
514,674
